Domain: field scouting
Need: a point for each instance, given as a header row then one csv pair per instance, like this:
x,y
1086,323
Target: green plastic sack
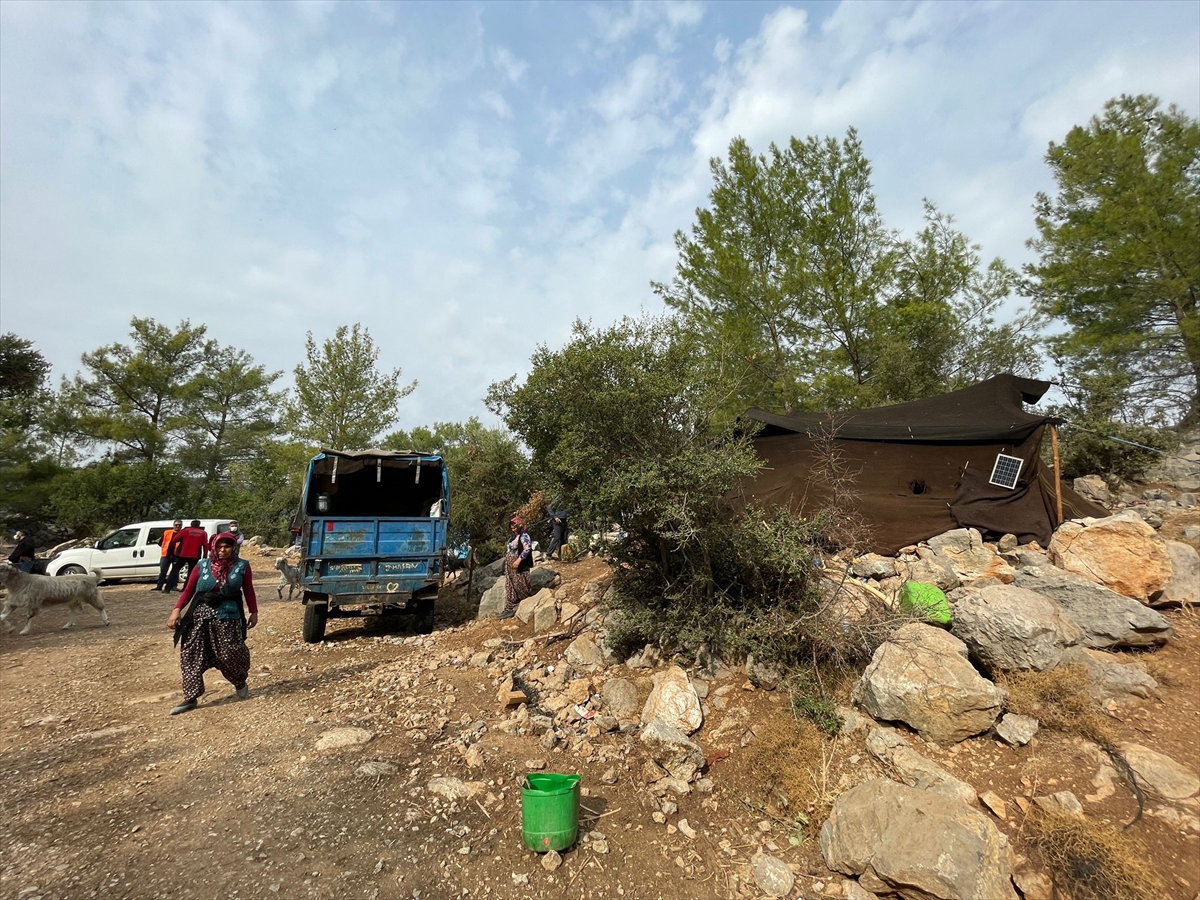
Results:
x,y
925,601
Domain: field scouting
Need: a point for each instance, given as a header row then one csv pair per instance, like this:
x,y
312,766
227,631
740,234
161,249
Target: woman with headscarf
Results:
x,y
210,623
518,560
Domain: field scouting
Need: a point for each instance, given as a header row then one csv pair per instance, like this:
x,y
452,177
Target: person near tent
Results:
x,y
518,560
210,623
558,528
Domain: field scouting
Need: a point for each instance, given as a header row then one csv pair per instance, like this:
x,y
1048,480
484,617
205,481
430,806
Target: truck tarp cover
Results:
x,y
920,468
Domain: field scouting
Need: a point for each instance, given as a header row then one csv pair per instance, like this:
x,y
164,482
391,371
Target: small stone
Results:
x,y
520,878
686,830
343,739
669,807
993,802
773,877
609,777
1063,801
1015,730
551,861
659,817
535,765
1034,885
549,740
600,847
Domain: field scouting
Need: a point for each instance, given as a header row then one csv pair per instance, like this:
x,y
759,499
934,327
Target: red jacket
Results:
x,y
190,543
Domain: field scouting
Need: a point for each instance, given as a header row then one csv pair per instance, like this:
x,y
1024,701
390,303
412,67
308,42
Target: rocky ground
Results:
x,y
384,764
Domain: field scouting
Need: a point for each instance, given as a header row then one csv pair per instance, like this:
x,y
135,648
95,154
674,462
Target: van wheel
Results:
x,y
315,616
72,570
425,616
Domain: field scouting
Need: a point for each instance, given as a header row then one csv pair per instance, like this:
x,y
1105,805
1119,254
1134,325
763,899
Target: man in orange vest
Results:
x,y
165,561
188,546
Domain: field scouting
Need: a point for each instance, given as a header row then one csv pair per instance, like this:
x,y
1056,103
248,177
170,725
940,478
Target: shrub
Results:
x,y
1091,861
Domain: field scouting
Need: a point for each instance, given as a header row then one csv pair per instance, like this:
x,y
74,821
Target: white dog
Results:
x,y
31,592
289,577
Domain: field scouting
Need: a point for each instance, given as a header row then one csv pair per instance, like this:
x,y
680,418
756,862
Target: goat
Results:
x,y
289,576
31,592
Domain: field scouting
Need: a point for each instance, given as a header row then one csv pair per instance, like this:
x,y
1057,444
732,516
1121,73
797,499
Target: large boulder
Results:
x,y
1094,488
930,568
913,769
1109,620
529,607
970,557
1112,680
921,844
620,698
1164,776
492,601
583,654
1120,552
673,700
921,676
1184,587
542,577
1012,629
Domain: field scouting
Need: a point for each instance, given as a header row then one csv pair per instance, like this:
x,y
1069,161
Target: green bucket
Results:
x,y
925,601
549,811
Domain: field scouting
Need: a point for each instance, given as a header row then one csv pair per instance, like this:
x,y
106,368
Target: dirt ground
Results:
x,y
102,794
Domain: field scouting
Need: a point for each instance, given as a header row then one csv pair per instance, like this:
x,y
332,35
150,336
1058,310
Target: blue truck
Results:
x,y
373,532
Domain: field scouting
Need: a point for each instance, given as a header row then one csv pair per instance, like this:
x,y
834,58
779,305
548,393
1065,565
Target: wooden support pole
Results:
x,y
1057,473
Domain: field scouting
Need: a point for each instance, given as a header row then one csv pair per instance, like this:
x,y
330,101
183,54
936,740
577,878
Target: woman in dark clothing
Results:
x,y
517,563
210,624
22,555
559,535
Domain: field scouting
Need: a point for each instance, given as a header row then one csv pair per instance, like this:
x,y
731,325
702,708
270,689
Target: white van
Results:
x,y
130,552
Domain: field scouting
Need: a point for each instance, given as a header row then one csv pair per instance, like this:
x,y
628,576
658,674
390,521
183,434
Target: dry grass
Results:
x,y
1091,861
792,761
1060,699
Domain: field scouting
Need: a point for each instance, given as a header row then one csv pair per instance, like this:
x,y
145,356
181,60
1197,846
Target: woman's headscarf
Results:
x,y
222,567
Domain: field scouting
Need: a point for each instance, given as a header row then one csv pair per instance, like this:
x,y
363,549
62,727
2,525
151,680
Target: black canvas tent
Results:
x,y
924,467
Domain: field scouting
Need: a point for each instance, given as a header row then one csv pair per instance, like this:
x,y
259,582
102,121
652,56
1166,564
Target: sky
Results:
x,y
467,179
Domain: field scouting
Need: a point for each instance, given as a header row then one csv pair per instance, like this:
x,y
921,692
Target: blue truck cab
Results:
x,y
372,528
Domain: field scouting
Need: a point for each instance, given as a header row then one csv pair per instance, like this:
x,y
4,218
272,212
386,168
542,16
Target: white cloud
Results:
x,y
512,68
618,23
273,169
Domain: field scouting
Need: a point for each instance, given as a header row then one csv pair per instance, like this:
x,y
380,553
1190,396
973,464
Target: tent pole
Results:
x,y
1057,472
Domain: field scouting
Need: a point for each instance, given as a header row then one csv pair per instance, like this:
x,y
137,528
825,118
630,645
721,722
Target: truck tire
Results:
x,y
425,610
315,616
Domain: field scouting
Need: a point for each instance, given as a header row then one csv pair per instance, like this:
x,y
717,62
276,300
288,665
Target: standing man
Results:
x,y
166,560
22,555
558,522
188,547
234,530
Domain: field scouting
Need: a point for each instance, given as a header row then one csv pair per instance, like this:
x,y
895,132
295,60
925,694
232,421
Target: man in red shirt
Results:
x,y
188,547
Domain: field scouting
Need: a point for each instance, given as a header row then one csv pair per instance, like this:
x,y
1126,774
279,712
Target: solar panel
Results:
x,y
1006,470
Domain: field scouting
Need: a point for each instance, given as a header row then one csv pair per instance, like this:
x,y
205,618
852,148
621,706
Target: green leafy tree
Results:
x,y
781,278
802,298
614,418
341,399
939,332
263,489
23,370
229,408
618,417
26,468
1119,247
132,396
112,493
